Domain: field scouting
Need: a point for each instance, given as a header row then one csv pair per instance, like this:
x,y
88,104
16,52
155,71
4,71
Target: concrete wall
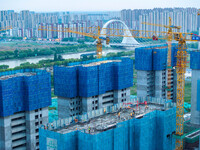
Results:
x,y
68,107
21,130
145,83
153,84
195,115
5,133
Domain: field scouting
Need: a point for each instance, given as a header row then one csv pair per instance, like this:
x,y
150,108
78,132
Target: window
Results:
x,y
36,130
36,110
122,95
40,122
96,107
92,108
96,102
37,123
36,117
92,102
40,115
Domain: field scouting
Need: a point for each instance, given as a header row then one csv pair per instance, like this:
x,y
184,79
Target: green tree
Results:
x,y
55,57
4,66
16,53
60,57
80,41
22,55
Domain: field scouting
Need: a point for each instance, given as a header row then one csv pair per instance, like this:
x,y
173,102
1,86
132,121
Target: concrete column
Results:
x,y
158,84
5,133
195,115
145,83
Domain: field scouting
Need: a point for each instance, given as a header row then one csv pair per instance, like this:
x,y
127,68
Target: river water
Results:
x,y
16,62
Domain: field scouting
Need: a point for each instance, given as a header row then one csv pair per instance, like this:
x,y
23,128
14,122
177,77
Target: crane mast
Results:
x,y
180,70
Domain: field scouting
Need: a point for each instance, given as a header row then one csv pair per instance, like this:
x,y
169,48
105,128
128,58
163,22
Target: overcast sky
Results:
x,y
92,5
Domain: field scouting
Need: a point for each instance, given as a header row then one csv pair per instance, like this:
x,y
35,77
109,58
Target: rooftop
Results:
x,y
104,119
5,77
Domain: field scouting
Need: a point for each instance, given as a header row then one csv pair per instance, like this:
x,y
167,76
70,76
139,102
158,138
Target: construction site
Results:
x,y
129,125
95,107
95,113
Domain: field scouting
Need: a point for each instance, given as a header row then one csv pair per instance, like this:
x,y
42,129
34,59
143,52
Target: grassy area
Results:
x,y
187,91
23,45
134,87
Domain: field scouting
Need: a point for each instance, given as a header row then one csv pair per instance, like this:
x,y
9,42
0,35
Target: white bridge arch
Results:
x,y
126,40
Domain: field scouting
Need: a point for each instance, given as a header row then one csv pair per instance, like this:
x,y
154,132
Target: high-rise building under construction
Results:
x,y
195,89
152,75
24,99
86,86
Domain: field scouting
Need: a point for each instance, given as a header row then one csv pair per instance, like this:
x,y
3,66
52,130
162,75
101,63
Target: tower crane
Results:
x,y
6,28
94,32
170,27
169,35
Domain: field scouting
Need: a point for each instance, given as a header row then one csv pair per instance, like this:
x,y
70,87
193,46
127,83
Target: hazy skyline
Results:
x,y
92,5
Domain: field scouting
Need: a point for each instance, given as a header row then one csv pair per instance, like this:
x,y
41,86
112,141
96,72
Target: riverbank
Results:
x,y
16,62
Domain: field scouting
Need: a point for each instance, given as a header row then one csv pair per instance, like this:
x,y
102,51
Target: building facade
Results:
x,y
152,74
195,101
92,85
24,101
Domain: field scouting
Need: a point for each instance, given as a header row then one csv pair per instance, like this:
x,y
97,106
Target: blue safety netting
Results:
x,y
24,93
154,57
143,59
198,95
160,59
153,131
53,110
65,81
58,141
174,54
195,60
87,81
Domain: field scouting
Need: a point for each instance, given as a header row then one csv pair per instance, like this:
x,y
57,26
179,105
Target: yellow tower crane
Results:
x,y
5,28
180,70
170,27
169,35
94,32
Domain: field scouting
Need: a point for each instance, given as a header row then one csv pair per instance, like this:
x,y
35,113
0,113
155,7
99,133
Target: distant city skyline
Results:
x,y
92,5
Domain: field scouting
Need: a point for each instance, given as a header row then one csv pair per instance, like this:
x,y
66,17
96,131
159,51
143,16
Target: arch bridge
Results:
x,y
127,41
